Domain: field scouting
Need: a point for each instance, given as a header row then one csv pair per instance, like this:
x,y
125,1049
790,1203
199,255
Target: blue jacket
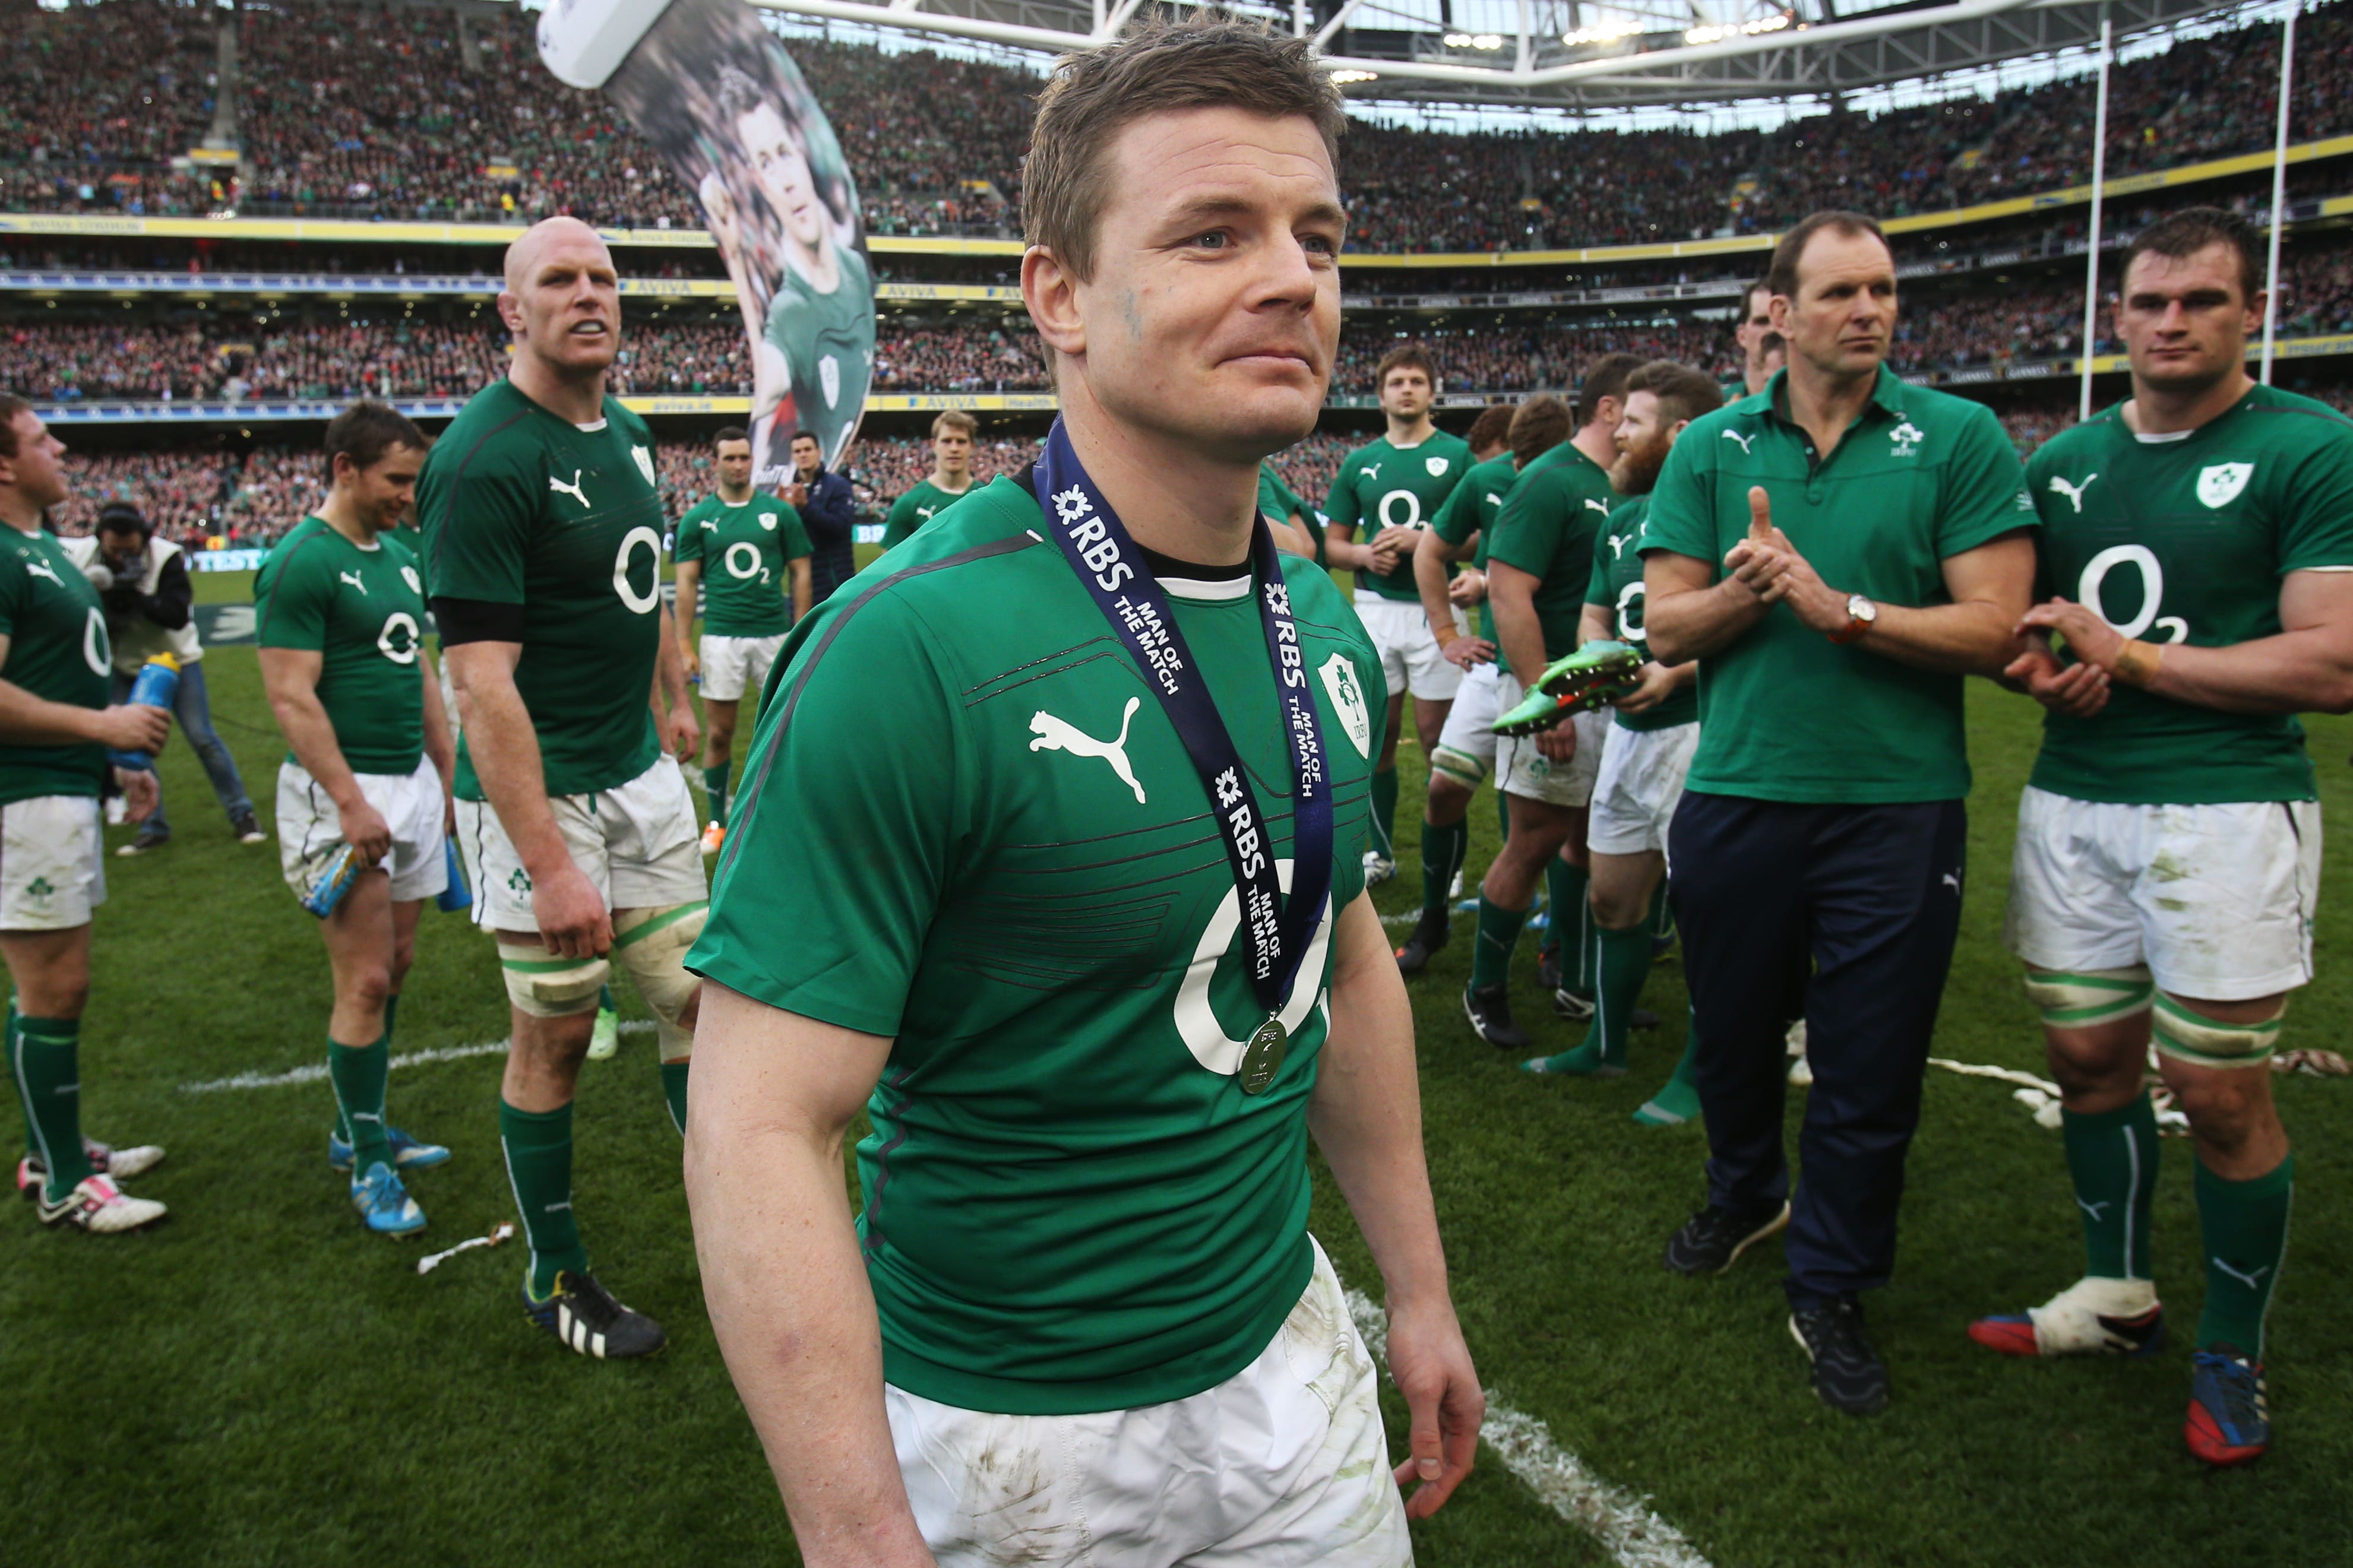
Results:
x,y
829,514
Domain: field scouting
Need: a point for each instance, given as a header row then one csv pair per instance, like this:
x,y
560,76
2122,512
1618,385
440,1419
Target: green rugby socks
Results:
x,y
1678,1101
43,1058
673,1077
1444,851
1624,964
714,780
2243,1226
2112,1158
358,1074
1499,933
539,1167
1571,918
1384,791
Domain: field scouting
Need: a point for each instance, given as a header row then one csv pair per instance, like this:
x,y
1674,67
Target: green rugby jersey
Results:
x,y
828,341
742,548
1617,587
918,507
1069,1204
1381,486
58,651
362,612
1473,508
1547,528
2185,540
523,508
1786,713
1280,503
409,538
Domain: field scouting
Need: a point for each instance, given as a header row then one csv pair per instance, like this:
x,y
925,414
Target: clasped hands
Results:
x,y
1767,569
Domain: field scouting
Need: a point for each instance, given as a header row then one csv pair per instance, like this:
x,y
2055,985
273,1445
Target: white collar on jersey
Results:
x,y
1218,592
589,429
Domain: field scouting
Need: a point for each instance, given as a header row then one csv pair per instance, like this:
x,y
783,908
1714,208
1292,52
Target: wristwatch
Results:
x,y
1861,615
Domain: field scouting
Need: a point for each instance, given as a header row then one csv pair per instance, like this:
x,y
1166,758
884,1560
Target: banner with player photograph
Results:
x,y
714,91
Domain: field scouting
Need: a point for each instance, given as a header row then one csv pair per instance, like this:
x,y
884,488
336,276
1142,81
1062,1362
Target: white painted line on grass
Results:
x,y
1622,1522
313,1072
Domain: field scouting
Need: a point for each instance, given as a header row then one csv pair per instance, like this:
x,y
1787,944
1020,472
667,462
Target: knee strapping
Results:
x,y
2203,1042
1464,769
651,944
2083,999
547,986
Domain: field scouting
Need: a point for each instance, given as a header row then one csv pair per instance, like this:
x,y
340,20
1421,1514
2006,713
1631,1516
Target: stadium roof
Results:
x,y
1567,53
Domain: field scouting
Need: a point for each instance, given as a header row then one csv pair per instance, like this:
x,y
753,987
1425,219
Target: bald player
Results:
x,y
543,540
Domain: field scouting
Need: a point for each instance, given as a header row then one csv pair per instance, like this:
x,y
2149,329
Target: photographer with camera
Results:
x,y
143,583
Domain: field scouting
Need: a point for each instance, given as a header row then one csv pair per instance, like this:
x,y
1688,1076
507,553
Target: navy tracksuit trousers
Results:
x,y
1845,914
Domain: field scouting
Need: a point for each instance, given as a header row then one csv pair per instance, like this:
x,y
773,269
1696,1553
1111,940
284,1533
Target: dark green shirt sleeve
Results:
x,y
1341,509
1458,514
1682,519
1985,488
290,610
689,545
859,897
2316,515
481,548
1528,535
900,522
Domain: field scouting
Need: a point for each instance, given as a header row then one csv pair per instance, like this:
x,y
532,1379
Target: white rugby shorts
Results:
x,y
1282,1464
1639,787
1409,657
1523,771
52,867
1466,747
639,844
2217,901
734,668
311,835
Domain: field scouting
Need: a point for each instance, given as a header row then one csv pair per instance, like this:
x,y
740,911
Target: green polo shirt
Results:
x,y
1785,713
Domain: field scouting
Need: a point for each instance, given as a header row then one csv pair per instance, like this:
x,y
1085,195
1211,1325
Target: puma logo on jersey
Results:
x,y
41,569
1059,735
572,489
1617,545
926,512
1372,473
1601,506
2251,1281
353,579
2074,493
1743,440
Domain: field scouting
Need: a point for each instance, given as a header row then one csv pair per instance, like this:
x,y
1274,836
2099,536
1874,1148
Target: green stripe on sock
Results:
x,y
358,1074
714,784
1499,933
673,1082
2244,1226
538,1146
43,1058
2111,1157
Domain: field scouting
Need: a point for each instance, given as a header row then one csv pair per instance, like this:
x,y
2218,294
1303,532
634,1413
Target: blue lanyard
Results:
x,y
1112,569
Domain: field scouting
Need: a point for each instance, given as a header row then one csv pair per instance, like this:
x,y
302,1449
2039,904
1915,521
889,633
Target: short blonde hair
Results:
x,y
957,419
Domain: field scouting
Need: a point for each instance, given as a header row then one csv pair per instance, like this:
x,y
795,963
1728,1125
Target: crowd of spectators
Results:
x,y
101,98
243,358
402,111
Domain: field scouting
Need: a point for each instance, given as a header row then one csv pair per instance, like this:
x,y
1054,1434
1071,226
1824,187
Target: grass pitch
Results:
x,y
259,1381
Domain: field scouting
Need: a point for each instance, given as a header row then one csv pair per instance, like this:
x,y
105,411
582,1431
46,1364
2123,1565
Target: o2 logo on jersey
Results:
x,y
97,652
1412,508
1197,1020
1629,615
746,567
645,602
2152,592
398,640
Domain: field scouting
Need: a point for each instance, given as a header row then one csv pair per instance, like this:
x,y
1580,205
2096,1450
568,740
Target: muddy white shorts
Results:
x,y
1282,1463
310,833
1409,655
52,874
734,668
1639,787
639,844
1523,771
2217,901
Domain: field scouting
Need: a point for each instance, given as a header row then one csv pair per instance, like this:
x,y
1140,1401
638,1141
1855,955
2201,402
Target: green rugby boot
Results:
x,y
1593,677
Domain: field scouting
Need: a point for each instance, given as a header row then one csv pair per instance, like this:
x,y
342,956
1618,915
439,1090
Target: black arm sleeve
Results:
x,y
477,620
169,606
